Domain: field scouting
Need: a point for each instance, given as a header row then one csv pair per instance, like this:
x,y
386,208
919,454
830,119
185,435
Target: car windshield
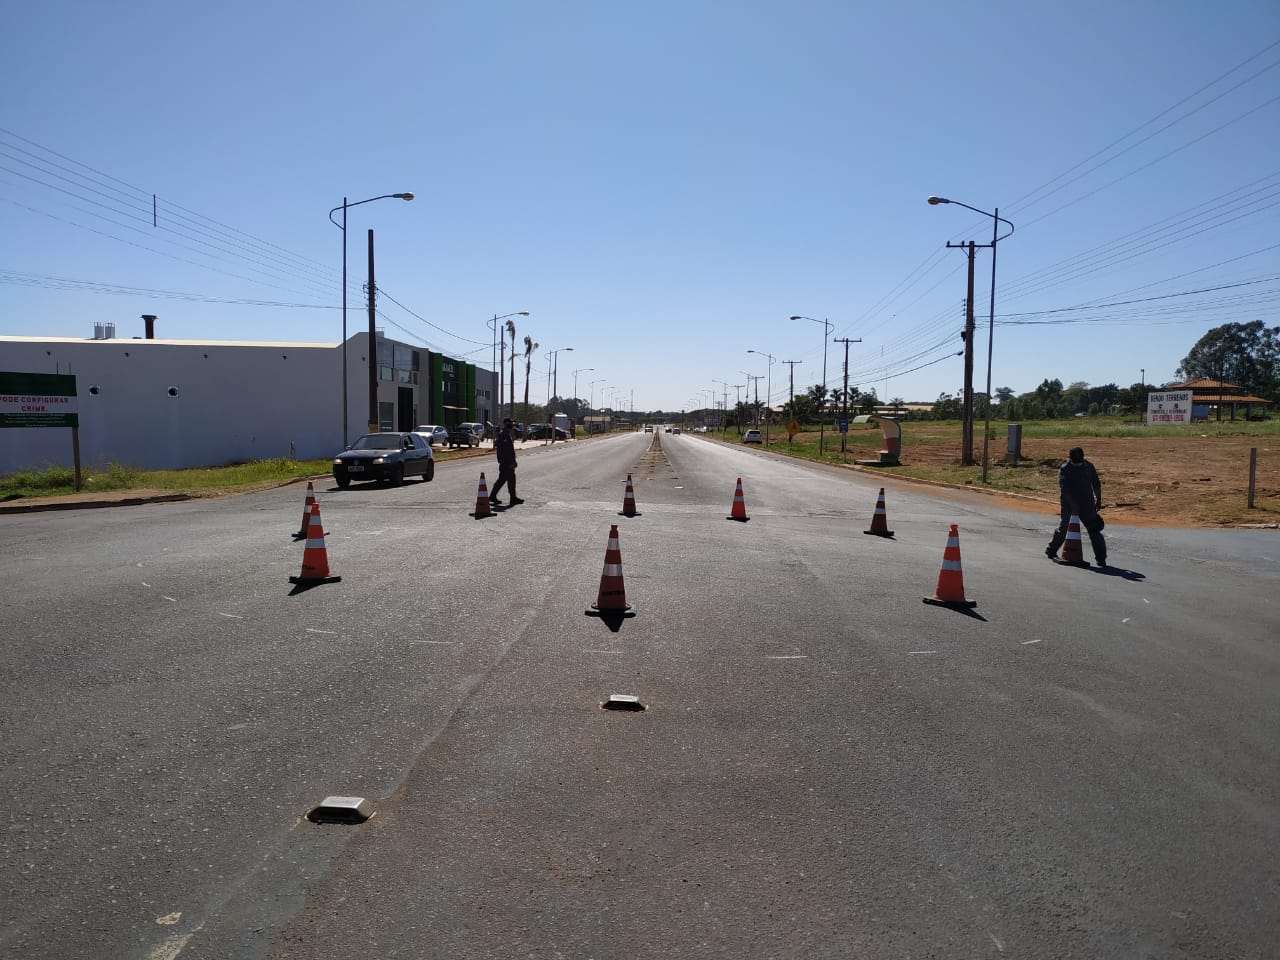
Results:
x,y
378,441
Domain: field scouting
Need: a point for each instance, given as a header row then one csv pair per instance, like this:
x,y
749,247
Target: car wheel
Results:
x,y
431,472
397,475
342,480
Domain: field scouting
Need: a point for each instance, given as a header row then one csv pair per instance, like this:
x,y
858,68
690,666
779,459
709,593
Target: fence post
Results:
x,y
1253,473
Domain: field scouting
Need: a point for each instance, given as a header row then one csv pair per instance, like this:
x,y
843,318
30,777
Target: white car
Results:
x,y
752,436
436,436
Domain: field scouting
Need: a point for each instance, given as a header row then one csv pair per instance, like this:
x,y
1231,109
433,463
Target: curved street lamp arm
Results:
x,y
385,196
934,201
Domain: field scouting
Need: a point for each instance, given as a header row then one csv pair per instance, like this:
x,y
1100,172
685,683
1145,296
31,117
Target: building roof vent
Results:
x,y
99,331
110,333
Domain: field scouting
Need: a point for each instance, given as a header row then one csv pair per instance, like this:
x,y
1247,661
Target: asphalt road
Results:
x,y
1084,765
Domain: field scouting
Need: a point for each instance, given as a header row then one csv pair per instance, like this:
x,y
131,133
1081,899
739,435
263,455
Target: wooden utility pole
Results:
x,y
966,427
846,341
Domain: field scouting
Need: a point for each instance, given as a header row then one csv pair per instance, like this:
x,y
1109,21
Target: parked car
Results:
x,y
752,436
438,436
386,458
675,429
466,435
542,431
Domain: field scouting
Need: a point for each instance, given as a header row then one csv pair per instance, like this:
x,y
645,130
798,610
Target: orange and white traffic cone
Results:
x,y
739,505
315,558
306,511
611,601
629,501
880,520
950,589
482,501
1073,546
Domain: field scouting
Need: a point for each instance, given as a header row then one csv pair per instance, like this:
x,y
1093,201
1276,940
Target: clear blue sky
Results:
x,y
661,185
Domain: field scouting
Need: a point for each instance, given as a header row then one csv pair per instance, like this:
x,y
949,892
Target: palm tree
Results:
x,y
529,347
511,331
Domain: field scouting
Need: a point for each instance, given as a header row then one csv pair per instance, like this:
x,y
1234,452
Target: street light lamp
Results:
x,y
372,346
500,363
768,405
553,361
822,397
591,401
996,220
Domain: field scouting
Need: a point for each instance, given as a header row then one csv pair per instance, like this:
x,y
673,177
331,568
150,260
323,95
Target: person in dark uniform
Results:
x,y
1080,493
505,445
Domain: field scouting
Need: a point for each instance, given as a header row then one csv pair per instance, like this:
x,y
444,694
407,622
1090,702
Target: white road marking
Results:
x,y
327,633
1025,642
170,599
170,949
230,616
169,919
601,651
147,585
912,653
799,656
445,643
1125,620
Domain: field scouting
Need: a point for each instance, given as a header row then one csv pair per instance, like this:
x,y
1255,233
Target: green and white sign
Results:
x,y
38,400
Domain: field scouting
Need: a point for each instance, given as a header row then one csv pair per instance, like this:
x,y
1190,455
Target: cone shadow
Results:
x,y
612,618
302,586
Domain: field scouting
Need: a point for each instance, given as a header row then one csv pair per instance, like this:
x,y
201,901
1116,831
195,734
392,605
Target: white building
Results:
x,y
171,404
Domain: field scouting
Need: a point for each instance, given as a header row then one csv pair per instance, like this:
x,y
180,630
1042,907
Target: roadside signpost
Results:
x,y
41,400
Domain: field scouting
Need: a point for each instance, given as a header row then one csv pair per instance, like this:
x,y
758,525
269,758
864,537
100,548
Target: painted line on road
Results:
x,y
798,656
170,948
914,653
230,616
1025,642
327,633
444,643
1125,620
145,584
170,599
602,651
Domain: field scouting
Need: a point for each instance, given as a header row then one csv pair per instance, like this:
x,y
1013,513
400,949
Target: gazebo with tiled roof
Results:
x,y
1216,394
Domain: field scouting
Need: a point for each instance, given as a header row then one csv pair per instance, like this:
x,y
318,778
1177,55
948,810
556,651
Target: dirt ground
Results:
x,y
1148,481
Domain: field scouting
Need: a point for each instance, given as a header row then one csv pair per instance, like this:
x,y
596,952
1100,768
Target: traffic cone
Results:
x,y
612,598
482,500
1073,547
629,501
306,511
950,589
880,520
739,505
315,558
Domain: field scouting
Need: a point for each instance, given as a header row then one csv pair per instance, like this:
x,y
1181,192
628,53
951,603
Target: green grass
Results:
x,y
57,481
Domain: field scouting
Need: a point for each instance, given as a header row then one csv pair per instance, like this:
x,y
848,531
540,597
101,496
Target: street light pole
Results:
x,y
575,380
996,220
822,396
343,227
768,399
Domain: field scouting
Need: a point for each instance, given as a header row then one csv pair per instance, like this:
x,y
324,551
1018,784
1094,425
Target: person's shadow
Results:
x,y
1120,572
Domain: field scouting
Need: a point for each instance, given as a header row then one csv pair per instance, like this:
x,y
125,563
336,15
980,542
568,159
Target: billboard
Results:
x,y
1169,406
38,400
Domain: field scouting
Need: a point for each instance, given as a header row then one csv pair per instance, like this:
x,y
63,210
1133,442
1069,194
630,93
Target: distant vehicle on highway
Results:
x,y
386,458
466,435
752,436
439,436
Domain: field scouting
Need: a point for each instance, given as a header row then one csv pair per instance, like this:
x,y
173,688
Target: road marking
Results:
x,y
1145,600
1125,620
147,585
1025,642
170,949
230,616
601,651
912,653
170,599
327,633
999,945
169,919
798,656
446,643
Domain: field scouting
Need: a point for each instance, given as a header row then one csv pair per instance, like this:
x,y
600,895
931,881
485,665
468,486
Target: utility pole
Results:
x,y
755,379
373,345
846,341
966,427
791,401
737,411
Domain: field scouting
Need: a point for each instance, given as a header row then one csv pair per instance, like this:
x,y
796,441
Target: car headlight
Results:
x,y
379,459
337,462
